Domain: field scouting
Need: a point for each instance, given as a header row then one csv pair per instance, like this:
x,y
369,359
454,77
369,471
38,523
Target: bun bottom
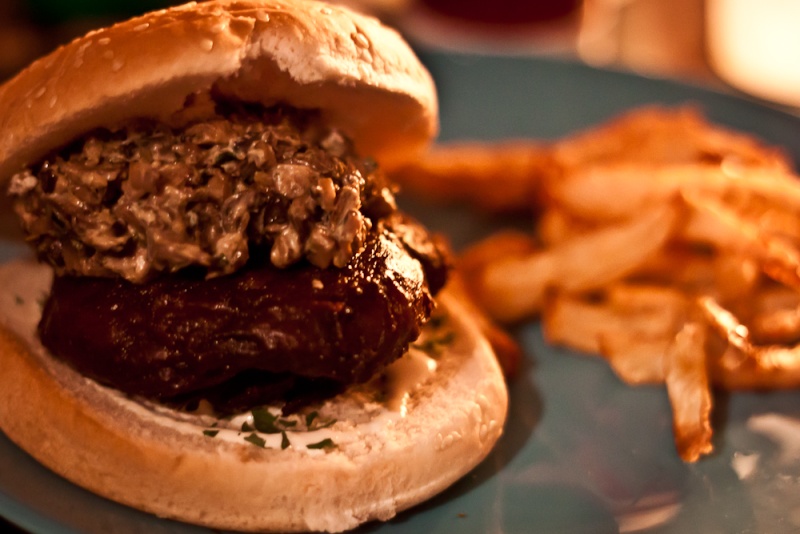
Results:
x,y
369,460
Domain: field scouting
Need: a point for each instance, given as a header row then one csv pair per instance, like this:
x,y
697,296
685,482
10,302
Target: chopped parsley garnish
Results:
x,y
310,418
323,424
211,433
257,440
434,346
437,339
437,321
326,443
313,421
268,423
265,422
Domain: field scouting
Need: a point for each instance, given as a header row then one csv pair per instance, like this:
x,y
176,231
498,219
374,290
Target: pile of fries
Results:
x,y
665,244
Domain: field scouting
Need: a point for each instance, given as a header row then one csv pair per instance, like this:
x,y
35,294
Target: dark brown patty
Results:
x,y
249,334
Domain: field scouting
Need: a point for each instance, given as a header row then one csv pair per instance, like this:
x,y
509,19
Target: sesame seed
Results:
x,y
361,40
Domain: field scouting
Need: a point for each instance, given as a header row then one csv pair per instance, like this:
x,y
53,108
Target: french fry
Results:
x,y
507,350
714,223
780,326
631,327
514,288
503,176
608,193
775,316
744,365
579,324
638,297
555,226
473,262
653,314
503,244
661,136
770,216
689,392
736,277
682,267
637,360
662,243
770,367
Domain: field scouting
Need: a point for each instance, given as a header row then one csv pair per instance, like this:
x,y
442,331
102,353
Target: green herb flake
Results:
x,y
284,441
310,418
265,422
447,339
434,346
326,443
211,433
313,421
325,424
246,427
256,440
437,321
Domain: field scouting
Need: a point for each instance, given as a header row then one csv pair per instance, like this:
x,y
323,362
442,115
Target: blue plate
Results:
x,y
582,452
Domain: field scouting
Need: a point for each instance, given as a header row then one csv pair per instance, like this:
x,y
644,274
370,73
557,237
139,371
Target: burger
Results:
x,y
228,321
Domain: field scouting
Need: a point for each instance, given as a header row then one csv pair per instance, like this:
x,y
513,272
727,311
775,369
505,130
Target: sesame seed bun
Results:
x,y
361,74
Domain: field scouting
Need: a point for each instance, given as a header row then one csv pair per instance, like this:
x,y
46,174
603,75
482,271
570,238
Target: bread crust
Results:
x,y
145,458
303,53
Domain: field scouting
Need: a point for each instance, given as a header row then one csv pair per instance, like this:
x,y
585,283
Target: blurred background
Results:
x,y
751,46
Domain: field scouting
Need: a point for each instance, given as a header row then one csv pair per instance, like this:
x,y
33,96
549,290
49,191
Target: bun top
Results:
x,y
362,76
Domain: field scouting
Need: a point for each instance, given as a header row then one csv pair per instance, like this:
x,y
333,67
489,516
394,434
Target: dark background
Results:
x,y
5,526
32,28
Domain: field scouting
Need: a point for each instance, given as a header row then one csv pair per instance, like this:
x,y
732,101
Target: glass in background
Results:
x,y
515,27
504,12
657,37
30,29
755,46
20,39
654,37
